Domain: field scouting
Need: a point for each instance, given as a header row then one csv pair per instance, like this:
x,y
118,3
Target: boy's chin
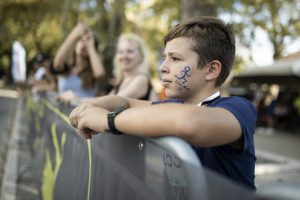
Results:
x,y
171,94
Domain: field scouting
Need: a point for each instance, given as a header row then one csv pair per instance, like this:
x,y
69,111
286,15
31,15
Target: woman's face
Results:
x,y
81,48
128,55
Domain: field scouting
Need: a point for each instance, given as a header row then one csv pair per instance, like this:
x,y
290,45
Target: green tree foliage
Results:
x,y
109,25
41,25
198,8
279,18
29,22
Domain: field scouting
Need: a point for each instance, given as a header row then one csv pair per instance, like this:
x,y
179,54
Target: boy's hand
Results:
x,y
76,112
89,120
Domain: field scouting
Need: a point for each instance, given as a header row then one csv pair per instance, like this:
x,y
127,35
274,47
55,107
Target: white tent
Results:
x,y
281,67
282,72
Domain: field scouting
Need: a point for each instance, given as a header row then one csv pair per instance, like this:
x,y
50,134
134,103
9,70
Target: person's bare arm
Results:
x,y
137,88
96,63
112,102
68,45
200,126
43,86
105,103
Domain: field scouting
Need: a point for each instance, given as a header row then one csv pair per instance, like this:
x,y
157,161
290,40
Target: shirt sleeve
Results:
x,y
245,112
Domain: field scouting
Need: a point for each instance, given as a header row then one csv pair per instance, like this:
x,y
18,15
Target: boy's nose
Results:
x,y
163,68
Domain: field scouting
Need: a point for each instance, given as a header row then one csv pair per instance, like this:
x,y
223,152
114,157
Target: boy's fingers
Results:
x,y
73,118
86,133
81,109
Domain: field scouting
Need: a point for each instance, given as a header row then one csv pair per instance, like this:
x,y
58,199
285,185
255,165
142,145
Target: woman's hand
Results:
x,y
80,30
66,97
89,40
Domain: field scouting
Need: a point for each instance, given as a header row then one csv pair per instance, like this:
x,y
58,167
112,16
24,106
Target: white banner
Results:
x,y
18,62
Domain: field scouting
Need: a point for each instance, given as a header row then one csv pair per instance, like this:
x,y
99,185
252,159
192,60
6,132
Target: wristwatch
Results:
x,y
111,120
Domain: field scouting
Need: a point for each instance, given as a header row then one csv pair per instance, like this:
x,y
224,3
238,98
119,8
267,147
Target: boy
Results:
x,y
198,57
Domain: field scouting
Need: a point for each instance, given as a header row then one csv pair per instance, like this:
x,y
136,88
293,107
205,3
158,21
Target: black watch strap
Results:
x,y
111,120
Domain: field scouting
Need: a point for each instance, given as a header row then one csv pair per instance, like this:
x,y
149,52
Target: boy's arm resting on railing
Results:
x,y
99,106
199,126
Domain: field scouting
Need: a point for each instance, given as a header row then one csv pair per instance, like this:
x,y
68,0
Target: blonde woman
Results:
x,y
131,68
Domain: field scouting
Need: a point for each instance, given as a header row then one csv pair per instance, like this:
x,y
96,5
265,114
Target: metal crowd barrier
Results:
x,y
114,167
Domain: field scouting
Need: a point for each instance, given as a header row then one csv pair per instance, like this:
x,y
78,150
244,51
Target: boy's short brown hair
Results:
x,y
213,40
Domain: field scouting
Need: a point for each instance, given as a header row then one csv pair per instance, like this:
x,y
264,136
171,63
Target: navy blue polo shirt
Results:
x,y
237,165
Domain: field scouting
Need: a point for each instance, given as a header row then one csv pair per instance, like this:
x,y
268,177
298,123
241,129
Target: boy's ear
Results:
x,y
213,70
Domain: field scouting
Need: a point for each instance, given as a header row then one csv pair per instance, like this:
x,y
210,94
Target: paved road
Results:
x,y
278,166
7,110
280,143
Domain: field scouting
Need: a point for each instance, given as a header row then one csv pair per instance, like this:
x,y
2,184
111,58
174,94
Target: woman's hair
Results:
x,y
86,75
140,44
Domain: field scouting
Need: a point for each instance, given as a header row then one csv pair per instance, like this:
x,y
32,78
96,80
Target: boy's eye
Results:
x,y
175,59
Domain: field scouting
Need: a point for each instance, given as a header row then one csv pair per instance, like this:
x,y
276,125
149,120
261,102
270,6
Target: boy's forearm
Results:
x,y
158,120
198,126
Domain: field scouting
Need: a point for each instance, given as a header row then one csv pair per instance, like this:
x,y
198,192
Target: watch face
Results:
x,y
116,112
111,114
120,109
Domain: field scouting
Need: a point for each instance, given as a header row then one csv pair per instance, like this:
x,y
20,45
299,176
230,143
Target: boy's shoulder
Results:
x,y
234,100
231,100
236,105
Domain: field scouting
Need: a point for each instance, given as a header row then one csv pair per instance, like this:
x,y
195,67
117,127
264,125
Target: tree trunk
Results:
x,y
64,17
110,26
117,20
192,8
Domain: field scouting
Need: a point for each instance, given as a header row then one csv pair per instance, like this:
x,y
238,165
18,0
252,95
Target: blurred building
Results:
x,y
278,84
284,72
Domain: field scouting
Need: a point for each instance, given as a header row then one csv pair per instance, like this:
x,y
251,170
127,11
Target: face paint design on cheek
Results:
x,y
182,80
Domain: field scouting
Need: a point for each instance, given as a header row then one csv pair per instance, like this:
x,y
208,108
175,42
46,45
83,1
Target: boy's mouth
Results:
x,y
166,82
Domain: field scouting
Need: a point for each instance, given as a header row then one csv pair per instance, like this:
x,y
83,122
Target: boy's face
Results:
x,y
180,76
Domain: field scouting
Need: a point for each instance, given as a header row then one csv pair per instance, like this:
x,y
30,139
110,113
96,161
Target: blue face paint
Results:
x,y
182,80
